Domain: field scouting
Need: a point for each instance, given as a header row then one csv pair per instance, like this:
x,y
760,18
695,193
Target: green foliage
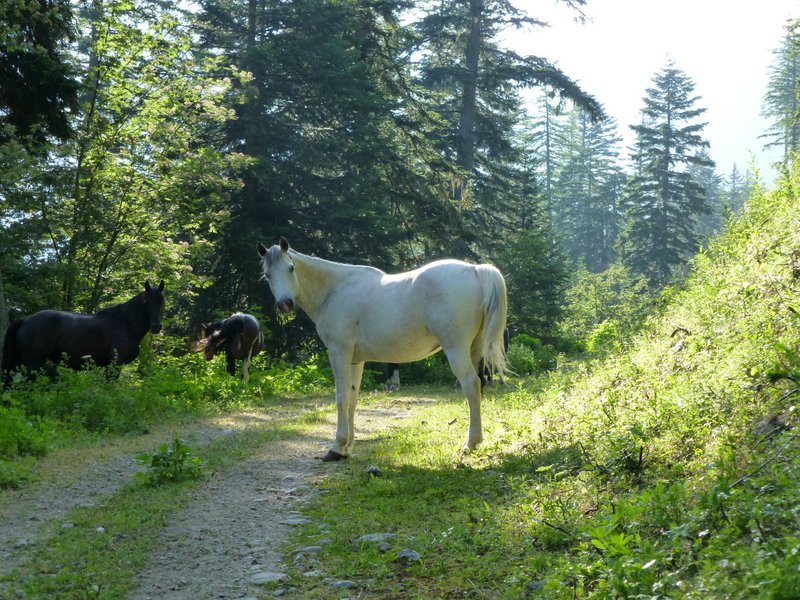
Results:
x,y
604,308
528,355
21,435
162,383
605,337
39,88
669,470
536,274
171,463
89,400
137,193
780,98
22,438
586,195
664,198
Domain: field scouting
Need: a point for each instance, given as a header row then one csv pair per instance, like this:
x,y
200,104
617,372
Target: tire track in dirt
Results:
x,y
83,477
236,526
232,529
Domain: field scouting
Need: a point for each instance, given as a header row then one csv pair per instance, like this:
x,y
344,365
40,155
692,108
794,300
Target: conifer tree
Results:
x,y
781,98
38,86
737,189
586,206
710,222
664,199
476,82
338,132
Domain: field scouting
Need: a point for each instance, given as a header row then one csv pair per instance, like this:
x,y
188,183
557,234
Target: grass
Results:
x,y
670,470
85,561
667,471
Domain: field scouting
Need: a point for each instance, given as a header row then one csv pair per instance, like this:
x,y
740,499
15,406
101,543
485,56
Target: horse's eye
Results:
x,y
291,268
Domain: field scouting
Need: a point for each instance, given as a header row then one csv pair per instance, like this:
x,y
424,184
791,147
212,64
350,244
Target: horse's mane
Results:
x,y
332,265
121,307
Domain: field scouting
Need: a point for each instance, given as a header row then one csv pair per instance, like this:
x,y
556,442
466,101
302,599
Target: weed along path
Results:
x,y
224,537
77,478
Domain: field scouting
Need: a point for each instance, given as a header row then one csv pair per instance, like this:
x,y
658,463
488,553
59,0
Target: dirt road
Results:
x,y
225,543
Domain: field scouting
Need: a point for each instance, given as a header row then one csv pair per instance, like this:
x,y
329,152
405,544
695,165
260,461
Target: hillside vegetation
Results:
x,y
670,470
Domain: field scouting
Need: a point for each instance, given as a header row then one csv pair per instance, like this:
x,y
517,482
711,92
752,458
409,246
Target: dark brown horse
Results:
x,y
112,336
239,336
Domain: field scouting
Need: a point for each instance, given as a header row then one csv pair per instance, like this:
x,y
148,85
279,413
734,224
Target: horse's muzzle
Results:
x,y
286,306
155,327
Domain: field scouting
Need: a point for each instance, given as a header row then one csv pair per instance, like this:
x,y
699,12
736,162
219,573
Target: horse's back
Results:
x,y
440,290
245,329
48,335
406,316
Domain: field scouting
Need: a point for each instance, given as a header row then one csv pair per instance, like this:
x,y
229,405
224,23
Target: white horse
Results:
x,y
363,314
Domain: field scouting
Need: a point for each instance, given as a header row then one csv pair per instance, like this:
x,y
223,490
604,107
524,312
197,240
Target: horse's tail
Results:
x,y
12,359
495,306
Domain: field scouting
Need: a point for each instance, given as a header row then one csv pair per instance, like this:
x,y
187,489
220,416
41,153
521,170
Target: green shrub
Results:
x,y
21,435
528,355
170,463
605,337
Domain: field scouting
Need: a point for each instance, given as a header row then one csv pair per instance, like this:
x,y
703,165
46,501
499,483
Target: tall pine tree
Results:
x,y
586,206
476,81
781,98
338,134
664,199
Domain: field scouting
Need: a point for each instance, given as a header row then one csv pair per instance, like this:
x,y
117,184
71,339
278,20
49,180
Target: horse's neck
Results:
x,y
133,312
319,278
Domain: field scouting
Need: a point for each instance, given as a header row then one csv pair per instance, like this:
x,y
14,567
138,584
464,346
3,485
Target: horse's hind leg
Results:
x,y
246,368
462,367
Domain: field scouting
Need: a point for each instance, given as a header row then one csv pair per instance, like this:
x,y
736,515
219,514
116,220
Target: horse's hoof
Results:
x,y
332,456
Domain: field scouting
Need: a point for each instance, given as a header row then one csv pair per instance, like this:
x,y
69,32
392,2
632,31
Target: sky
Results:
x,y
724,46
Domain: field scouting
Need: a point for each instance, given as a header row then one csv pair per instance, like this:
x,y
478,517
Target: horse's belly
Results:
x,y
394,350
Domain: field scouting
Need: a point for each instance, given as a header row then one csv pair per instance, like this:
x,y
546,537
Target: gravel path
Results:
x,y
226,542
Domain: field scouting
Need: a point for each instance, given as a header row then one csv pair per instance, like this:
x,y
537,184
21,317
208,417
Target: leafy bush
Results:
x,y
21,438
605,337
528,355
89,400
21,435
615,295
170,463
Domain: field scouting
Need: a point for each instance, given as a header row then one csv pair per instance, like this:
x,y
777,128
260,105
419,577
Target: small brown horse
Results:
x,y
239,335
111,336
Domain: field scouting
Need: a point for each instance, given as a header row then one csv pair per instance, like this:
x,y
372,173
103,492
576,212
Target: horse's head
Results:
x,y
210,339
153,300
278,268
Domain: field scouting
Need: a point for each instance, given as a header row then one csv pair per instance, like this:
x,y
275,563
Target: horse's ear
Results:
x,y
161,286
147,286
262,249
284,244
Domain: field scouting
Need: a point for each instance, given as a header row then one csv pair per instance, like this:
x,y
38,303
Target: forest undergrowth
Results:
x,y
669,469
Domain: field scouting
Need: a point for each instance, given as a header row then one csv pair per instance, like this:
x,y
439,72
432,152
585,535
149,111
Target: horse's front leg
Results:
x,y
356,372
342,374
230,363
246,368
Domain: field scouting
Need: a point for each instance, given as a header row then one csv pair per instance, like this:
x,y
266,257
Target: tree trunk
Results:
x,y
3,318
469,94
